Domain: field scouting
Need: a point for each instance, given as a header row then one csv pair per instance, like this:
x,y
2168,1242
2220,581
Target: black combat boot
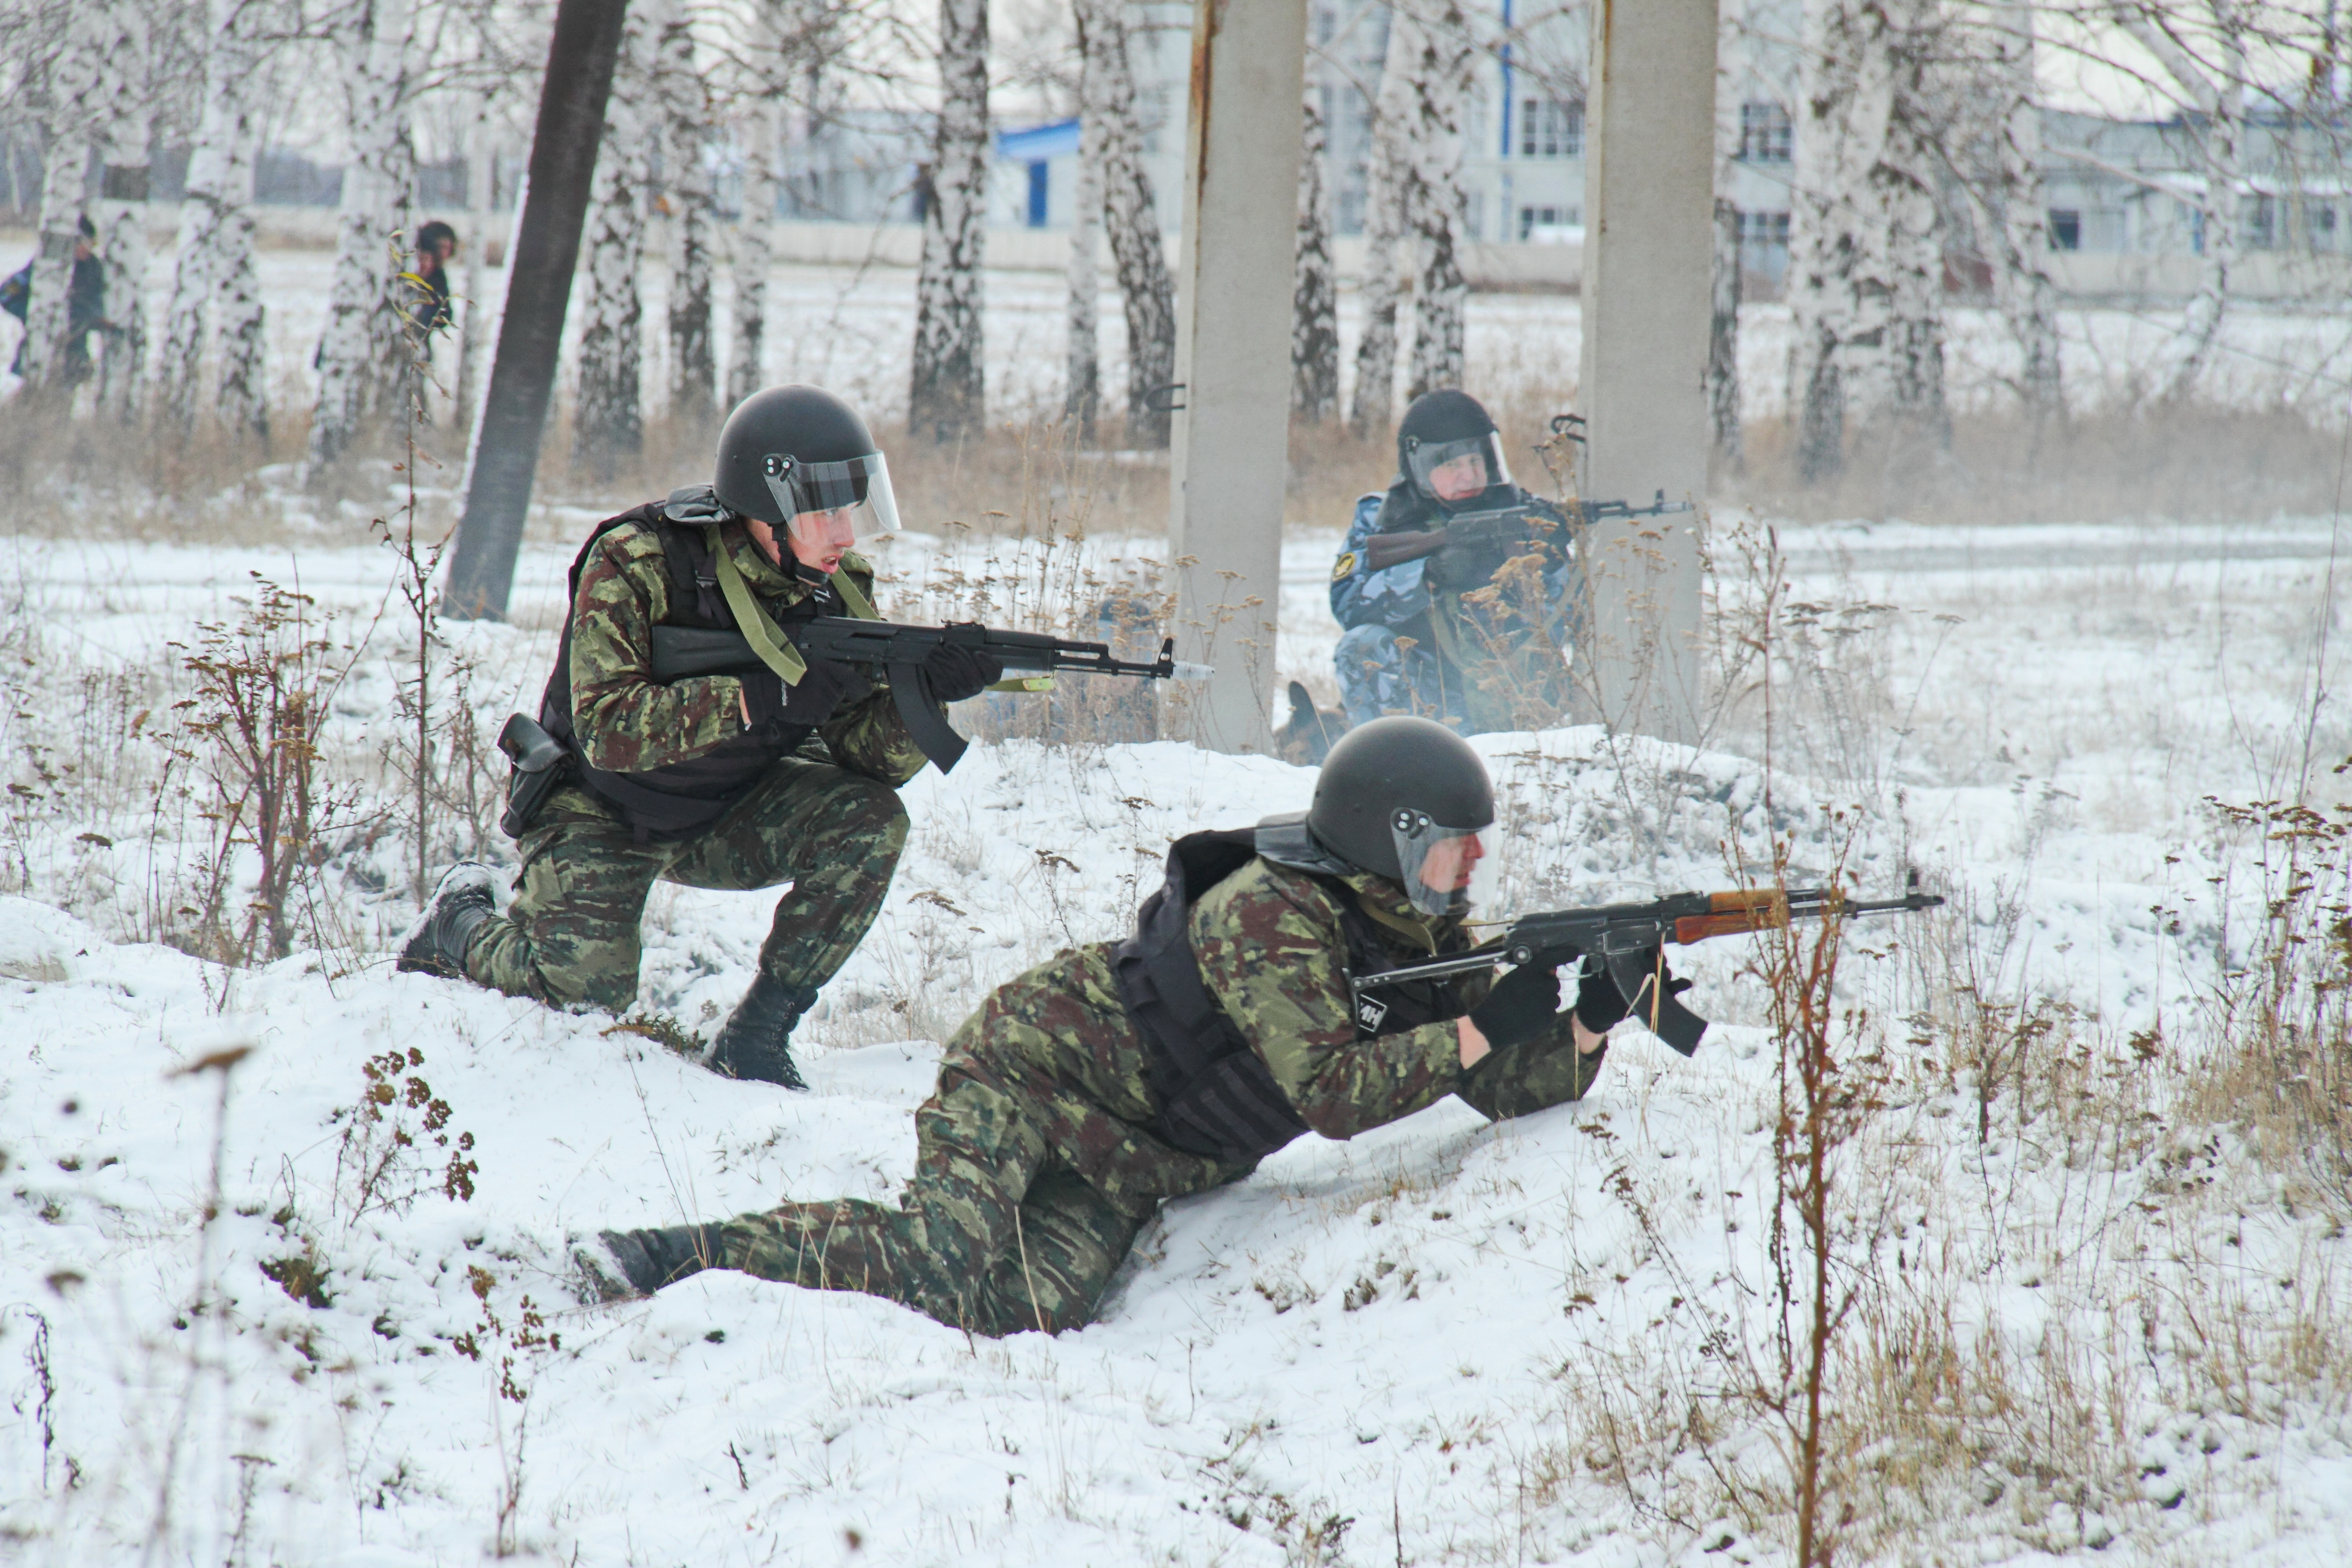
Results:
x,y
621,1264
755,1041
437,943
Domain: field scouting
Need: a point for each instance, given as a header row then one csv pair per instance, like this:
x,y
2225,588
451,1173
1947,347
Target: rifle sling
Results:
x,y
767,639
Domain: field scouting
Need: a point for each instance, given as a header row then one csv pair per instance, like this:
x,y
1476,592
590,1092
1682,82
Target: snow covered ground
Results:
x,y
2101,1326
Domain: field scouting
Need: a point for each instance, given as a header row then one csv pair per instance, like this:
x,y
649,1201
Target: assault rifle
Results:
x,y
1628,939
899,650
1509,530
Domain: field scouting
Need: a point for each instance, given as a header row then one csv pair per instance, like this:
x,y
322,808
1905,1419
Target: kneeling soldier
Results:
x,y
1444,627
1114,1076
712,781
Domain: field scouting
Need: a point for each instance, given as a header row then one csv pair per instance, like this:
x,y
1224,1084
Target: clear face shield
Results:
x,y
1451,471
829,506
1446,870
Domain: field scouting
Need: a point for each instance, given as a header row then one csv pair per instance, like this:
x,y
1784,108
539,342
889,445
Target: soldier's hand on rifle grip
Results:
x,y
1521,1006
1600,1006
1454,567
768,701
956,673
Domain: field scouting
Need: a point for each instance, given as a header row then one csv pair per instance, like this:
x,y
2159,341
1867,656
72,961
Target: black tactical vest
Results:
x,y
668,801
1217,1098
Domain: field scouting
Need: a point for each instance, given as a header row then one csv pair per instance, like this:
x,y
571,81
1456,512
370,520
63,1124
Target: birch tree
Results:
x,y
1130,217
1866,266
2217,96
1433,211
364,351
948,396
75,117
754,254
1722,339
686,136
473,311
1902,185
607,416
1723,278
1384,202
1082,399
1315,289
123,210
212,278
2018,213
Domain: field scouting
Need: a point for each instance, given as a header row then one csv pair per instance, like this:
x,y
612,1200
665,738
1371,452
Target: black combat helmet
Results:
x,y
1442,426
795,450
1395,792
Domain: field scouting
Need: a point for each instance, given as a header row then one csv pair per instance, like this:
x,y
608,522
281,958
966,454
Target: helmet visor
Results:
x,y
832,506
1446,870
1456,470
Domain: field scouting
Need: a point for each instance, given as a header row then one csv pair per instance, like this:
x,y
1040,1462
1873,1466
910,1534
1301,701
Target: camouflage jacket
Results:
x,y
1399,596
626,721
1273,953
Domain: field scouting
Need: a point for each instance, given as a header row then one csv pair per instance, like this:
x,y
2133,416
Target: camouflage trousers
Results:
x,y
1034,1171
570,937
1382,674
1483,668
995,1234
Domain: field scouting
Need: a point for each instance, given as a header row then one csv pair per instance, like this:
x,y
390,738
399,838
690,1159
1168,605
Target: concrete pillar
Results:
x,y
1230,444
1649,210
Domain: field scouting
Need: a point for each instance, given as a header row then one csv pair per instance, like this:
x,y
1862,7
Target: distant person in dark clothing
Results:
x,y
436,245
85,305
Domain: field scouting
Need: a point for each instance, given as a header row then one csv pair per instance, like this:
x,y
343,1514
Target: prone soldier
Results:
x,y
1466,628
1117,1074
729,781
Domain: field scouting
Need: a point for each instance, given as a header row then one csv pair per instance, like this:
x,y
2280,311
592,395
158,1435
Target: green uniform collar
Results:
x,y
1386,903
740,562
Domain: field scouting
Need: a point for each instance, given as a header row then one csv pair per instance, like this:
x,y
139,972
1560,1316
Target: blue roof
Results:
x,y
1039,141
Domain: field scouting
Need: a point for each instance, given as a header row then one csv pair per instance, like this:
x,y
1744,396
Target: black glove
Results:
x,y
1460,566
1600,1006
956,673
810,701
1521,1006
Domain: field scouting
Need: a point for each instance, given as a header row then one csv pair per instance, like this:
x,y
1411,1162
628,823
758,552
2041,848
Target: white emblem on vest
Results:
x,y
1369,1011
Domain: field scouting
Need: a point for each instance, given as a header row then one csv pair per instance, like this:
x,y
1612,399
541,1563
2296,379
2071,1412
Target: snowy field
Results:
x,y
847,328
2094,1323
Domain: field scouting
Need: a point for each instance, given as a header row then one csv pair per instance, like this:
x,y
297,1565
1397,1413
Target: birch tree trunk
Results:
x,y
216,240
1434,214
1082,399
473,312
948,396
1315,290
1723,340
1839,265
2021,283
686,135
1131,222
755,258
1914,329
122,213
607,416
75,117
1375,393
1723,277
2221,105
364,351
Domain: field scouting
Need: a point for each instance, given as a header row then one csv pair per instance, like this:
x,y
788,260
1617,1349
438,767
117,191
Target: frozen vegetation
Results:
x,y
307,1304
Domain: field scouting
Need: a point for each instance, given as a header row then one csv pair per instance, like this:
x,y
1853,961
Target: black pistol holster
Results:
x,y
540,763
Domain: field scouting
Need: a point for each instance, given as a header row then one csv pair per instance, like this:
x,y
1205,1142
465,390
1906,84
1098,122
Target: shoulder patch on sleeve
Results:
x,y
1345,567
